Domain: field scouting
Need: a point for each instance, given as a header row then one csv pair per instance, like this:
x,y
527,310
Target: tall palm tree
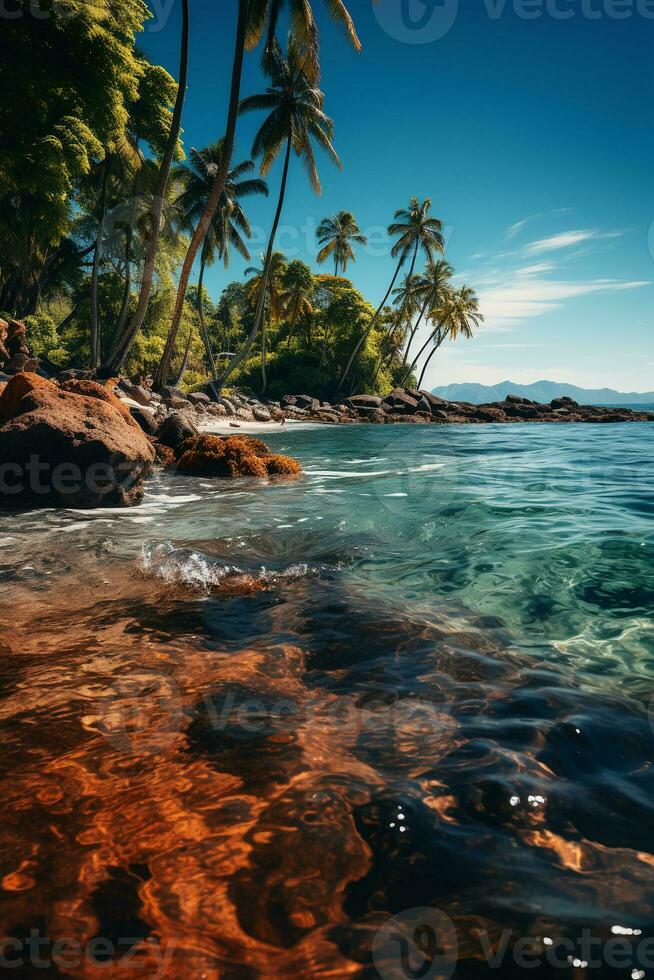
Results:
x,y
118,357
430,287
273,303
457,316
256,18
415,230
229,226
337,235
295,120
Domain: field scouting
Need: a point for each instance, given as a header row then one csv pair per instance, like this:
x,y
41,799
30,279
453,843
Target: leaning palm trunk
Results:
x,y
127,288
436,338
125,342
203,327
264,354
95,275
366,333
413,333
261,300
368,330
213,200
185,359
426,364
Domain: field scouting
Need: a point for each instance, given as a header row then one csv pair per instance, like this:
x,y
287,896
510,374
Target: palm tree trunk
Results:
x,y
258,317
120,353
264,376
95,275
213,200
67,319
187,354
368,329
422,350
127,290
414,332
203,327
426,364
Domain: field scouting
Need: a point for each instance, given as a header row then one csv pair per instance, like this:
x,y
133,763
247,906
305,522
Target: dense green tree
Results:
x,y
71,77
154,232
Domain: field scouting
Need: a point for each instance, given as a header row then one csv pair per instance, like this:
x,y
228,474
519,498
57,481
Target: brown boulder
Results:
x,y
232,456
91,389
63,448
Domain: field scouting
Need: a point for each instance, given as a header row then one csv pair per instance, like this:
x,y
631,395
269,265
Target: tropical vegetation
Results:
x,y
105,215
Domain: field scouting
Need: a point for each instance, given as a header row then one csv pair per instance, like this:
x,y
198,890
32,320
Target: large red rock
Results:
x,y
68,449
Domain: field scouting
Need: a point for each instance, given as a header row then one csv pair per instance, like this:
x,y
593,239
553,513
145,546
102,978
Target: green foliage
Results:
x,y
75,89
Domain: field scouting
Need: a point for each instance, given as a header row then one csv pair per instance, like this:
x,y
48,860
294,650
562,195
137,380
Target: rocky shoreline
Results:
x,y
401,406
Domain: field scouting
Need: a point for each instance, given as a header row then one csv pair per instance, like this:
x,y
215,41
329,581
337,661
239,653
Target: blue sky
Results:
x,y
531,130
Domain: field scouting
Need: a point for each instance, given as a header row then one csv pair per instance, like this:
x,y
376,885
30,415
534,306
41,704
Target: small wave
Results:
x,y
183,566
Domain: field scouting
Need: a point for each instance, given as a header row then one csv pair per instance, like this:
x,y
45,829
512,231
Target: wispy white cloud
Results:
x,y
566,239
507,304
514,230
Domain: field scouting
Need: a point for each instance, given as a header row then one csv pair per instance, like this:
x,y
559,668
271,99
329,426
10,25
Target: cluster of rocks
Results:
x,y
420,407
148,406
14,353
75,443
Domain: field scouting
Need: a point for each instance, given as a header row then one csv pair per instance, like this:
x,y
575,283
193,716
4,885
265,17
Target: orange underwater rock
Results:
x,y
232,456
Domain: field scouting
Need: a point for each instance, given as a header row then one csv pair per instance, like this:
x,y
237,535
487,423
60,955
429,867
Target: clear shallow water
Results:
x,y
435,692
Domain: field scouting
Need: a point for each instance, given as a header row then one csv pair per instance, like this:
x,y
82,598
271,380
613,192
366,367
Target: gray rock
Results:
x,y
363,401
146,419
261,414
402,400
175,428
199,398
136,392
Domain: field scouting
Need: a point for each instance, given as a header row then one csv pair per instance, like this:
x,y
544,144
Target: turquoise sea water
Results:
x,y
441,699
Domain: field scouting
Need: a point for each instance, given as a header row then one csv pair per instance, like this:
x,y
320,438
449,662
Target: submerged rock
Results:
x,y
232,456
64,447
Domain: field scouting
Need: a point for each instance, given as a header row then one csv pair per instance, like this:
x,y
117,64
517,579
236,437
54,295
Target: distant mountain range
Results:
x,y
542,391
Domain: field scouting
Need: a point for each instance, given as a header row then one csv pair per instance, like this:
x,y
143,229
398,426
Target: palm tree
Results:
x,y
457,315
298,287
118,357
295,119
415,230
256,18
228,228
273,303
337,235
430,288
